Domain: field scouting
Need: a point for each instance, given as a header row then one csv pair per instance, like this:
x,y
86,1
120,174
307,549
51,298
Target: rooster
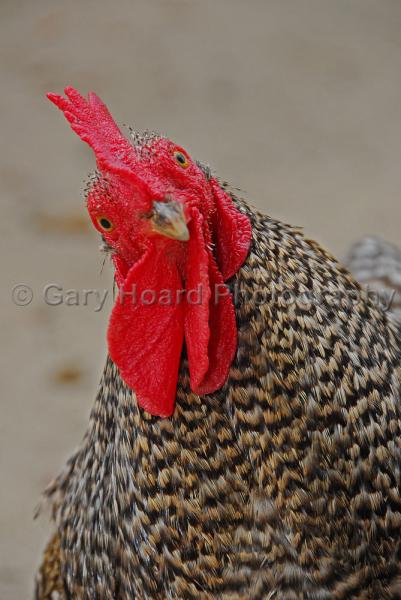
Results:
x,y
245,440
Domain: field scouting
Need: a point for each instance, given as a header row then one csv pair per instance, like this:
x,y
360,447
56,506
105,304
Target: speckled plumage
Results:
x,y
285,484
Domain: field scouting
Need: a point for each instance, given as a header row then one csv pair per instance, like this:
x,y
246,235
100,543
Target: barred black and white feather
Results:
x,y
284,485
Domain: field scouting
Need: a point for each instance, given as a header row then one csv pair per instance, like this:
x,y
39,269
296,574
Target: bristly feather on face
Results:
x,y
171,228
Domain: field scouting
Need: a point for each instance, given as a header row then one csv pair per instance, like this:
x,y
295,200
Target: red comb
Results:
x,y
91,120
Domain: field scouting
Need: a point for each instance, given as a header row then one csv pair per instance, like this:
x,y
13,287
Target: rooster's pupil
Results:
x,y
105,223
181,159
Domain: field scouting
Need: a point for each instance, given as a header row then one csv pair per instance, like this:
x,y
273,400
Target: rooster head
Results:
x,y
175,237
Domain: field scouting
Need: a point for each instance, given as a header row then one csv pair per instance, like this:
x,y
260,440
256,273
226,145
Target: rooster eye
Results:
x,y
181,159
105,224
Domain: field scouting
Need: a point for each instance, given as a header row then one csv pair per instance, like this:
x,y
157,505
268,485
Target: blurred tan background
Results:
x,y
297,102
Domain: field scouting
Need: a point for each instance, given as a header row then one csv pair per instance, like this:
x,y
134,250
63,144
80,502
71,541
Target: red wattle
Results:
x,y
223,335
145,339
197,329
210,327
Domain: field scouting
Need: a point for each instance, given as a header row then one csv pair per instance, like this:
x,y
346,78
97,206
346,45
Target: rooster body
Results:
x,y
284,483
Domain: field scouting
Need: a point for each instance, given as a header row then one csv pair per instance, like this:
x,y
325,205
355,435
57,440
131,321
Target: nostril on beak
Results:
x,y
168,219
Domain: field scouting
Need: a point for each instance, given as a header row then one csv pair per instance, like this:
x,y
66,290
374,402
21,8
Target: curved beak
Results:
x,y
168,219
